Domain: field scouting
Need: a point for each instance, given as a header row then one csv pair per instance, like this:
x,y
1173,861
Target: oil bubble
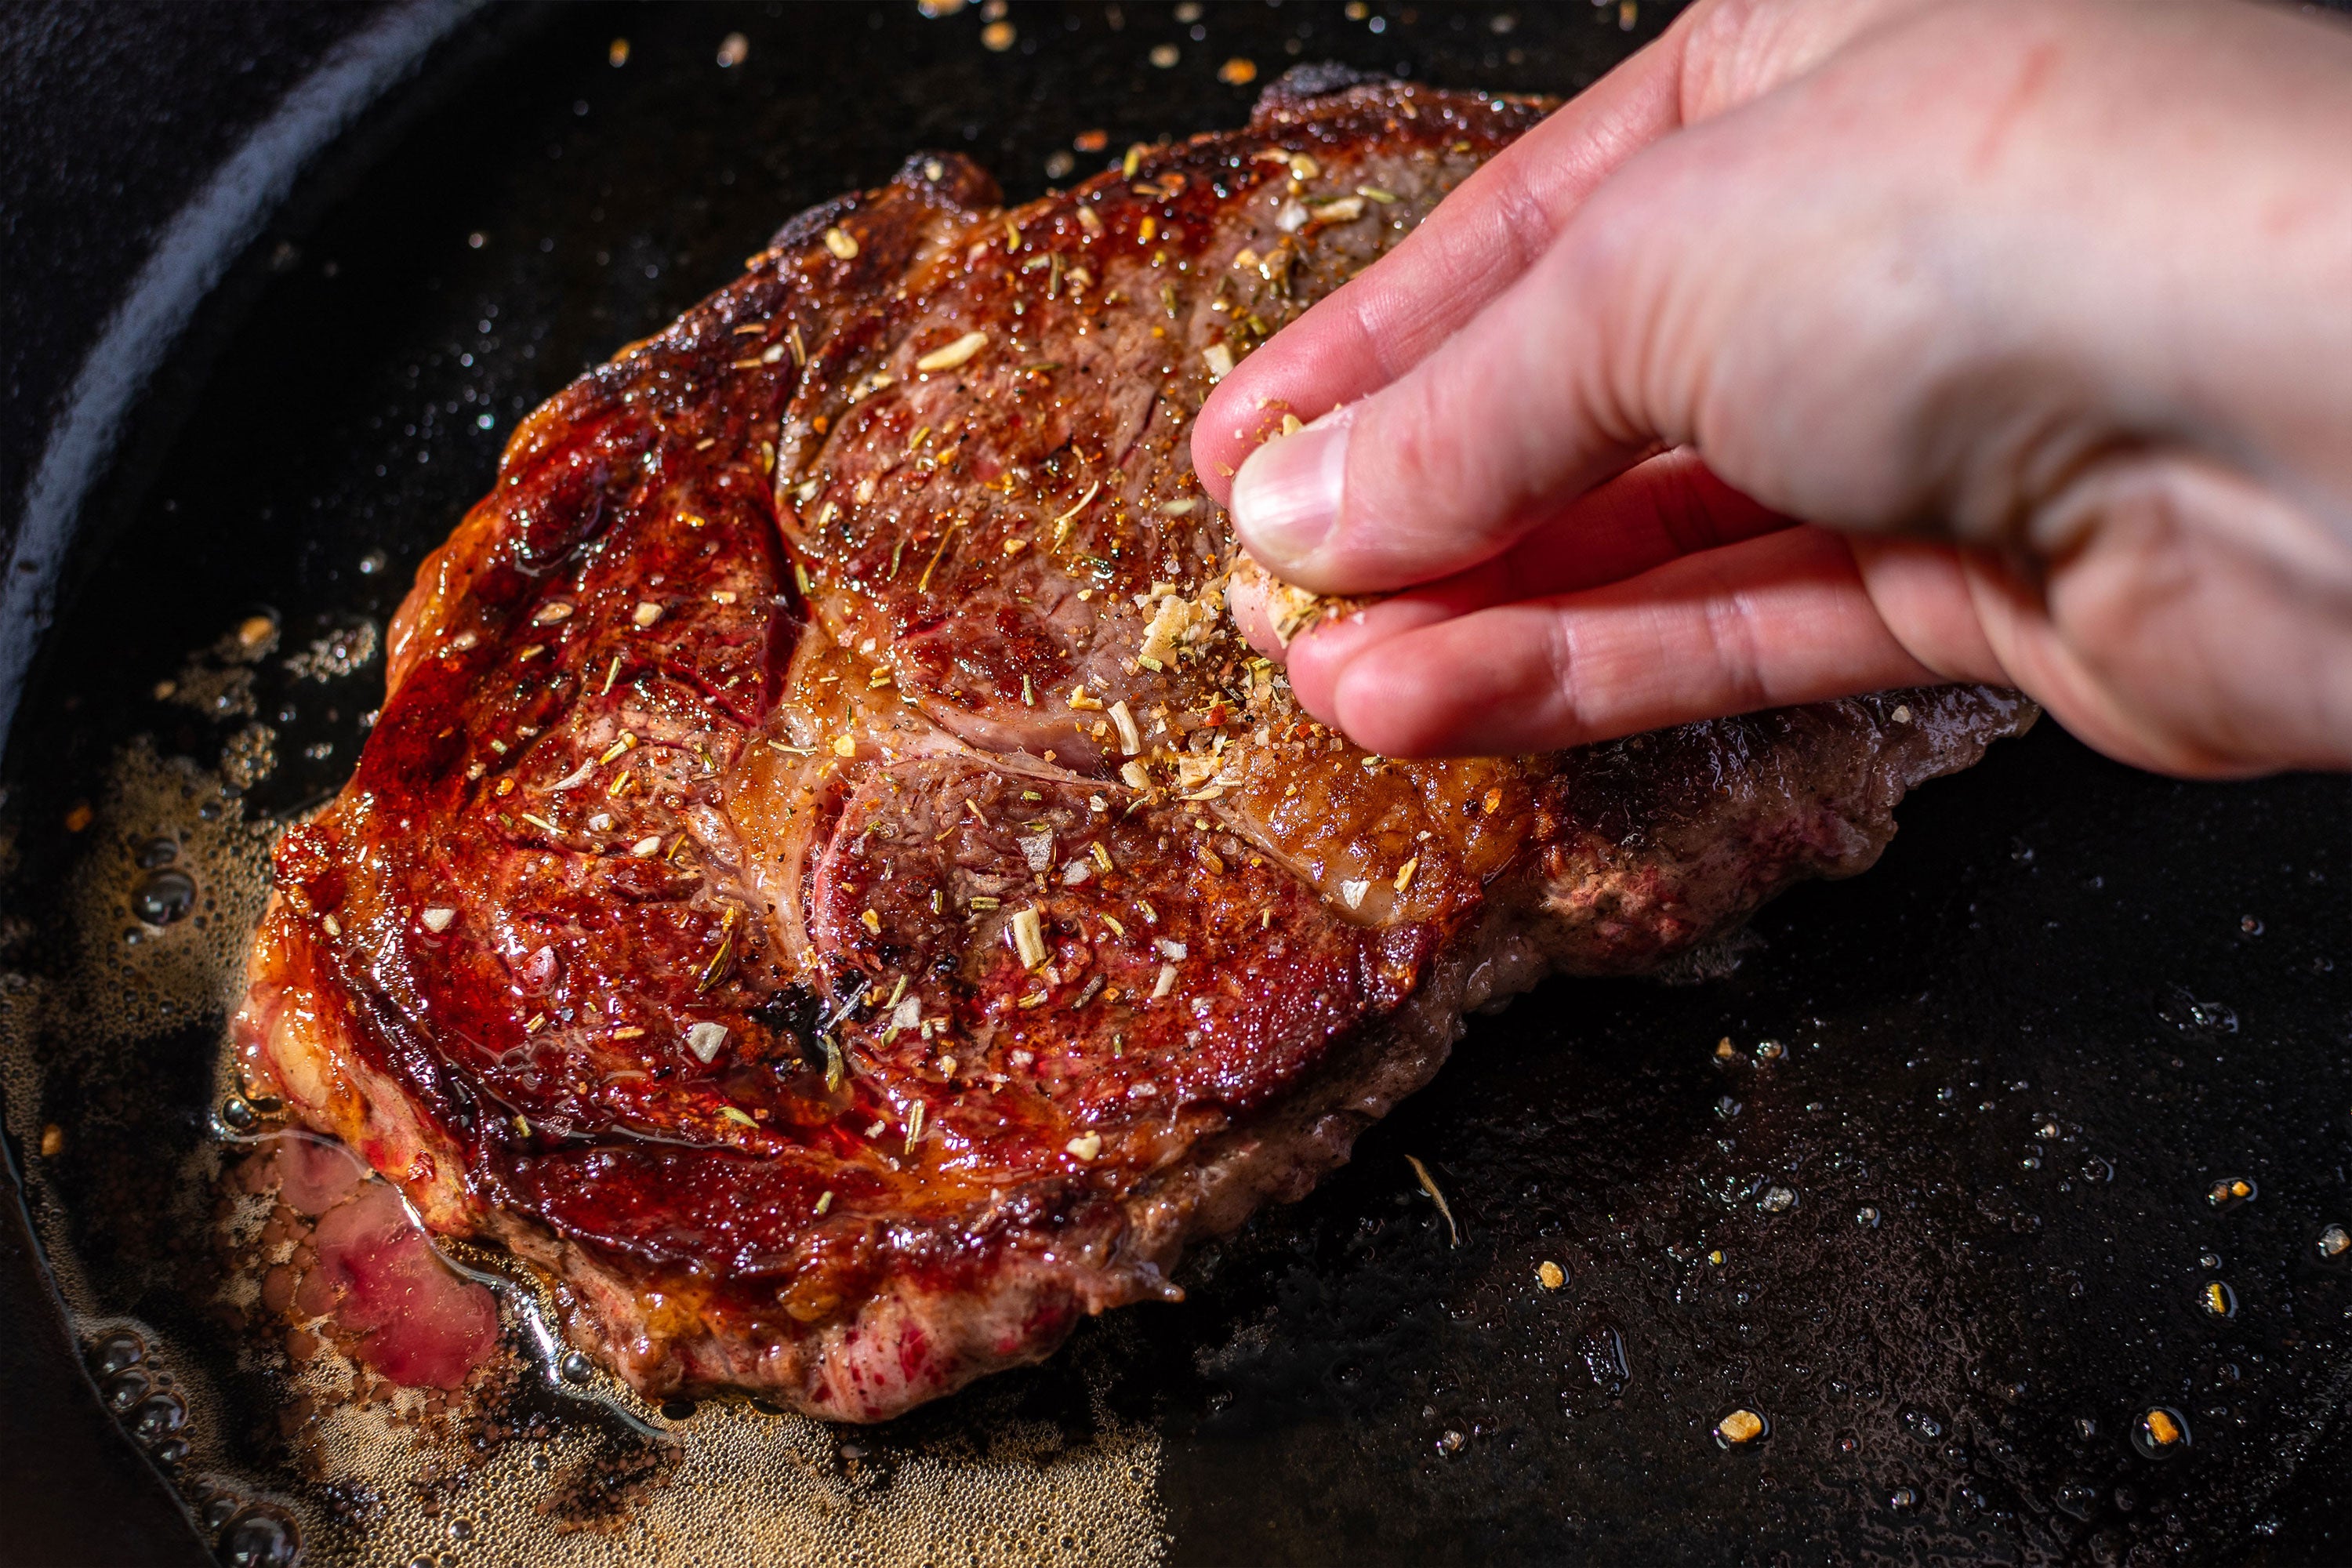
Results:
x,y
116,1352
2160,1432
2335,1245
1777,1199
157,852
1903,1497
163,897
2209,1261
1921,1424
2180,1008
156,1418
260,1537
125,1389
1450,1441
575,1367
2217,1300
236,1111
2077,1499
1867,1216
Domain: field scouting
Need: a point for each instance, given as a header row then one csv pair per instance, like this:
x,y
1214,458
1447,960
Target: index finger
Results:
x,y
1491,230
1485,234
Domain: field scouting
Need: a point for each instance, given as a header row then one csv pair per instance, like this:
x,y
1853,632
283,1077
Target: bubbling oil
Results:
x,y
545,1456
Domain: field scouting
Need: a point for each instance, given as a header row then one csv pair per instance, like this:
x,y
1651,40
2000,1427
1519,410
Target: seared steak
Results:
x,y
829,884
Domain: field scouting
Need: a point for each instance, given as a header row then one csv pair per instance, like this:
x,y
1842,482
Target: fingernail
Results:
x,y
1286,496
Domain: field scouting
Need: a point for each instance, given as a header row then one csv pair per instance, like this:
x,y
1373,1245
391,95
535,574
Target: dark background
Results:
x,y
2027,956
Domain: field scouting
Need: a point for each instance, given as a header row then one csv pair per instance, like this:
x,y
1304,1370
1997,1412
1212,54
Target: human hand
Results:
x,y
2042,314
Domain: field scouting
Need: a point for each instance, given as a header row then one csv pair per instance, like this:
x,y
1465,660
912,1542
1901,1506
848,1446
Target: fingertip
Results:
x,y
1239,414
1388,704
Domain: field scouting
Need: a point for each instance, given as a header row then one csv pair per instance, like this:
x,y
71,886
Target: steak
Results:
x,y
830,887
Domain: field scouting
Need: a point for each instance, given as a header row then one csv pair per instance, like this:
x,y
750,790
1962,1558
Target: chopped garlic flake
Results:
x,y
953,354
1029,936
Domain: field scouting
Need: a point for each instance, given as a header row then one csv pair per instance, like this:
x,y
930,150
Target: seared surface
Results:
x,y
676,928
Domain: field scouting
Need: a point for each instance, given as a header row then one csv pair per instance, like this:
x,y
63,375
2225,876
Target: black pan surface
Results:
x,y
1942,1216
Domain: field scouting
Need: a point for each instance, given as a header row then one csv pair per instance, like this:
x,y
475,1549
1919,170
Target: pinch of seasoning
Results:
x,y
1429,1185
1219,361
845,747
1062,523
824,1202
1130,736
1237,72
840,244
1405,873
2162,1427
704,1040
645,614
552,611
628,1032
915,1126
334,927
734,1113
872,921
1373,192
1029,937
79,816
1165,984
1723,1051
1551,1275
1740,1428
953,354
1086,1146
53,1141
436,920
2229,1192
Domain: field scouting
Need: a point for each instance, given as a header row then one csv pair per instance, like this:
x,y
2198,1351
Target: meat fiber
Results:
x,y
830,886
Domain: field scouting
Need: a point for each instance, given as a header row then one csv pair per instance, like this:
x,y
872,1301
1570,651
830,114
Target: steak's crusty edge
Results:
x,y
827,885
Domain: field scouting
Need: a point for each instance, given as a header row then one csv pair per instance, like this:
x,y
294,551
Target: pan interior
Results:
x,y
1924,1181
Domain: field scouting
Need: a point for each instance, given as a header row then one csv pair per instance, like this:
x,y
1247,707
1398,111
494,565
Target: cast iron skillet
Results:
x,y
2010,1062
